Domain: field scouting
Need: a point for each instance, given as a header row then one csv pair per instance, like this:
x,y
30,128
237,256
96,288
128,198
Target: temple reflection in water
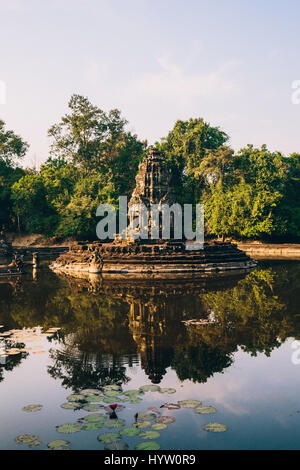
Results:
x,y
109,325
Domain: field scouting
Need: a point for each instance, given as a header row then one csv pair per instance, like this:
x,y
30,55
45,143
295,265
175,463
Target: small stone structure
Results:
x,y
158,258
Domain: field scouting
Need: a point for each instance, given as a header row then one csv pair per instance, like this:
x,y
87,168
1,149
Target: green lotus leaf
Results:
x,y
116,445
133,393
130,432
70,406
110,399
165,419
167,390
151,445
90,391
32,408
149,435
158,426
92,425
94,418
92,398
113,387
150,388
190,403
142,416
92,407
76,398
143,424
114,423
58,444
34,444
111,393
215,427
109,437
68,428
25,438
205,410
135,400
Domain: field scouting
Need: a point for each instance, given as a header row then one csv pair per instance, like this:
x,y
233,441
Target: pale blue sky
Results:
x,y
231,62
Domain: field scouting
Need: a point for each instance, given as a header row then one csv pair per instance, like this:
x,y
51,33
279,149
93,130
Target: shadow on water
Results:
x,y
107,325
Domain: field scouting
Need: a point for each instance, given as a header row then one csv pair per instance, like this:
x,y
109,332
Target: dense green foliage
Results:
x,y
253,193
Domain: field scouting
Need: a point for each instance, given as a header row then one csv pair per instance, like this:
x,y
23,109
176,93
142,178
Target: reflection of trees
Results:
x,y
106,323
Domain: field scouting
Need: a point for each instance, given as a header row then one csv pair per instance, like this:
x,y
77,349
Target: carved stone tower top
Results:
x,y
153,182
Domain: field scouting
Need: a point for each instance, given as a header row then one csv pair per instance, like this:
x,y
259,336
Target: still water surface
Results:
x,y
240,361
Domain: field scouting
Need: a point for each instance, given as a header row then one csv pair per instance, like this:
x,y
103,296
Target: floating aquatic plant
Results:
x,y
135,400
75,398
130,431
112,387
58,444
167,390
150,388
133,393
34,444
215,427
92,398
92,425
111,393
143,424
205,410
165,419
159,426
109,399
116,445
32,408
90,391
142,416
92,407
190,403
151,445
114,423
93,418
68,428
70,406
26,438
149,435
109,437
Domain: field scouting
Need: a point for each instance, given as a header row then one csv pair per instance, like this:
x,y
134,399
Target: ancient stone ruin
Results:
x,y
126,256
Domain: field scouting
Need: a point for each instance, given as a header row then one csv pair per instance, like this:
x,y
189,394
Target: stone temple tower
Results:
x,y
153,184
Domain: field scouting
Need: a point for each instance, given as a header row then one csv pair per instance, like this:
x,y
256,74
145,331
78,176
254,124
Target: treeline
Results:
x,y
253,193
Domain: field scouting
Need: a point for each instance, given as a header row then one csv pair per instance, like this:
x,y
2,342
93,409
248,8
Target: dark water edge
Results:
x,y
237,355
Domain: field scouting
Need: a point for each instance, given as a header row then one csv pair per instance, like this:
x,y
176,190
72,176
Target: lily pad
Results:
x,y
68,428
109,437
90,391
159,426
142,416
150,388
92,425
92,398
34,444
205,410
111,393
32,408
165,419
167,390
71,406
149,435
135,400
114,423
151,445
92,407
26,438
130,432
109,399
94,418
190,403
117,445
143,424
58,444
133,393
113,387
76,398
215,427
